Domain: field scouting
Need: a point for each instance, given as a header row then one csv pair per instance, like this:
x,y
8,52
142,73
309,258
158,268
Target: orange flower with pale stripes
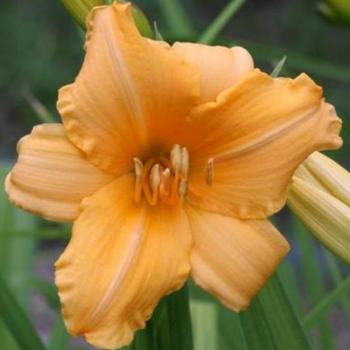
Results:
x,y
169,160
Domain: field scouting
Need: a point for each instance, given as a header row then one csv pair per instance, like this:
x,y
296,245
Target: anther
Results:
x,y
185,162
209,176
154,178
175,157
139,171
138,167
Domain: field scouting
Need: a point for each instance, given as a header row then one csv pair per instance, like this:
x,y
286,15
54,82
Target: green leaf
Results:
x,y
270,322
59,337
326,303
47,290
204,319
17,321
16,256
214,29
337,278
170,326
298,61
231,334
36,233
158,35
142,22
179,317
176,17
312,278
277,70
79,9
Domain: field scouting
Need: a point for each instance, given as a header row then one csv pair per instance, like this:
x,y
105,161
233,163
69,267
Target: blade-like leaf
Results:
x,y
17,321
16,255
325,304
170,326
180,320
279,66
176,17
214,29
47,290
270,322
59,336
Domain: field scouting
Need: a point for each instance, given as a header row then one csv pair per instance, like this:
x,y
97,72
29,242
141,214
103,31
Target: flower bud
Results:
x,y
320,197
336,10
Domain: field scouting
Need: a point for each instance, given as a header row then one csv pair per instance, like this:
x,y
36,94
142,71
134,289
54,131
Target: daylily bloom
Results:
x,y
320,197
169,160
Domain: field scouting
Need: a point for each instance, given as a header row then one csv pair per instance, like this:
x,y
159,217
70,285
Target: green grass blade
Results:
x,y
59,336
48,234
321,309
230,331
337,278
313,279
16,256
179,316
204,320
289,280
270,322
17,321
170,326
279,66
47,290
214,29
176,17
298,61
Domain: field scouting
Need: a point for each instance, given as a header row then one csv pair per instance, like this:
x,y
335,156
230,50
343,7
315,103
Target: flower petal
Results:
x,y
232,259
122,258
51,176
258,133
130,95
219,66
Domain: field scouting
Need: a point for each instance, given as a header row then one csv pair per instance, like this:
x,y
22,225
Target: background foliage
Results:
x,y
41,50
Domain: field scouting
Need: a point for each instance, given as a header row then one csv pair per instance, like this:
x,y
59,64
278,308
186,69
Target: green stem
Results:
x,y
211,33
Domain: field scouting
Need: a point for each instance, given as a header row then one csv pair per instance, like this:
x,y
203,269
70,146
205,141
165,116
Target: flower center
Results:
x,y
162,178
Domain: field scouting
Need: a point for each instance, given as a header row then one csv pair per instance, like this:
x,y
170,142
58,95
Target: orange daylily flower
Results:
x,y
169,160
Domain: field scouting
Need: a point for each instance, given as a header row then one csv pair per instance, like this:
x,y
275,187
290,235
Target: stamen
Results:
x,y
210,172
154,182
139,172
163,178
165,182
185,162
154,178
183,188
175,157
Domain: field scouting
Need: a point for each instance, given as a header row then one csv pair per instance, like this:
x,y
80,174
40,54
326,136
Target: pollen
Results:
x,y
162,179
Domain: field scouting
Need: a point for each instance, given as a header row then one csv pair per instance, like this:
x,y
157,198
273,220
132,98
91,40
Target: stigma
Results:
x,y
162,179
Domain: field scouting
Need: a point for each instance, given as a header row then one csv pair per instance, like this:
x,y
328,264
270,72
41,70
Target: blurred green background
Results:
x,y
41,50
